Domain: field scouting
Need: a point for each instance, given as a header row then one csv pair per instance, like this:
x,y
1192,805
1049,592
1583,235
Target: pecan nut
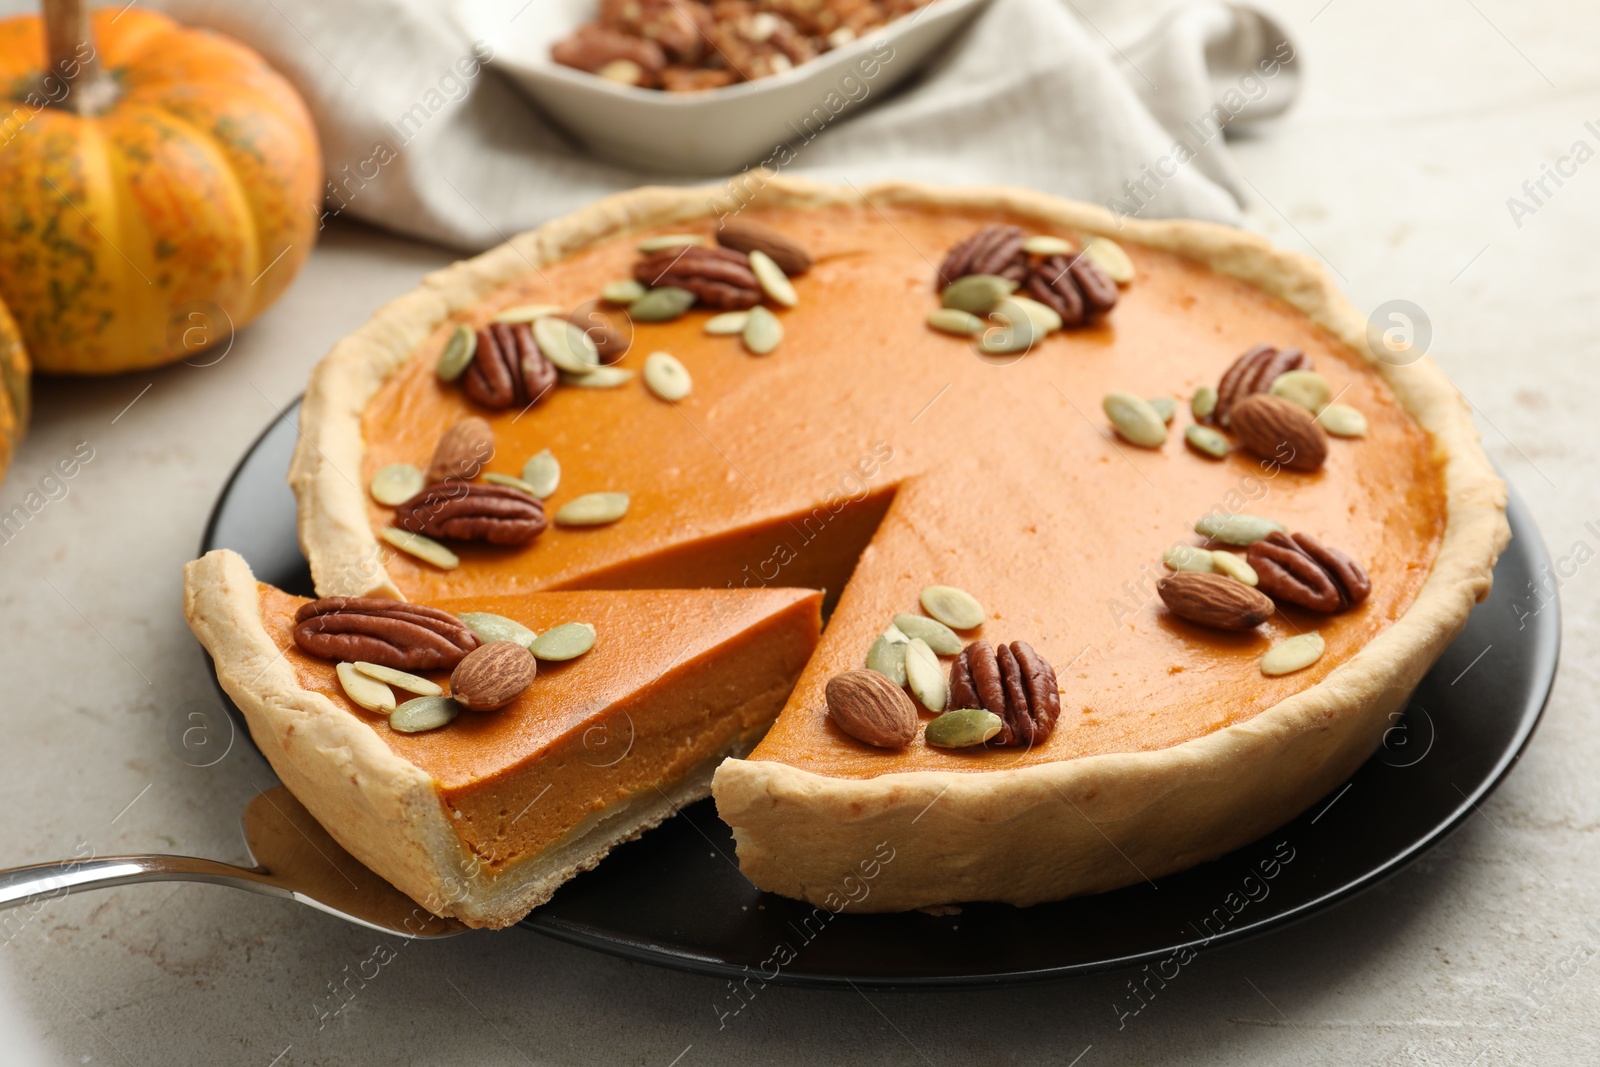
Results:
x,y
1073,286
508,370
696,79
595,49
467,511
995,249
1099,290
743,236
719,278
760,44
678,26
1298,569
390,633
1015,683
1254,372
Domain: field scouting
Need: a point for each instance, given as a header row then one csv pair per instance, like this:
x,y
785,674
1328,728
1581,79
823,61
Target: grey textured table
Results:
x,y
1420,120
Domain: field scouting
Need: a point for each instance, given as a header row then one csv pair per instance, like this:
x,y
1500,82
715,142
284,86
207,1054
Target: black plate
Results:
x,y
675,897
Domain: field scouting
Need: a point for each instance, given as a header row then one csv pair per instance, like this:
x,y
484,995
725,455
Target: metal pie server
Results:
x,y
294,856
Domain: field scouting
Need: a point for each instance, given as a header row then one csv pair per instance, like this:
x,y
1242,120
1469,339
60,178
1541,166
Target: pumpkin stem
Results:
x,y
74,79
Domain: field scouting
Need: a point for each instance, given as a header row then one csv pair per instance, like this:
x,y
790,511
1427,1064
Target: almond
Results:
x,y
462,451
1214,600
1278,429
871,708
747,237
492,676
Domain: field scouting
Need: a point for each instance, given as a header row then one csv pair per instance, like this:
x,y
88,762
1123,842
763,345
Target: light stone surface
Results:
x,y
1419,120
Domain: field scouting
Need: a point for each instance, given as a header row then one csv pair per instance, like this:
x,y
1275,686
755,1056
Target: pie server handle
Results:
x,y
36,885
40,883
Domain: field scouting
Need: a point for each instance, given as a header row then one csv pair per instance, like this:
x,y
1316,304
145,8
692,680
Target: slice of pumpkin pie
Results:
x,y
1146,538
473,774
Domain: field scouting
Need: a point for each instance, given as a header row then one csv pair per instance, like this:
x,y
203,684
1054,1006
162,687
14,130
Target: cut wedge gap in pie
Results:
x,y
817,548
922,459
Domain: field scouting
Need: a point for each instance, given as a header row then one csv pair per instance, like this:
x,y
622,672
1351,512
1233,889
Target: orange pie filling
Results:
x,y
870,456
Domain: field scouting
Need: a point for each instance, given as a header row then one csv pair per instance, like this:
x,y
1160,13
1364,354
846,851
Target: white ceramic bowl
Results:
x,y
715,131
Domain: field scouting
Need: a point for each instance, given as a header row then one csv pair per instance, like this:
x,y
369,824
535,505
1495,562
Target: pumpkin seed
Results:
x,y
1237,529
1234,566
661,305
727,323
1017,335
509,482
1164,406
762,331
568,347
567,641
542,473
1109,257
424,548
669,240
938,636
396,483
666,377
956,321
367,692
774,282
424,713
599,378
924,676
592,509
887,655
977,293
1188,558
1304,387
1205,440
1204,402
1295,654
1014,308
962,728
1342,420
1134,419
1041,244
457,354
491,628
956,608
411,683
528,313
623,291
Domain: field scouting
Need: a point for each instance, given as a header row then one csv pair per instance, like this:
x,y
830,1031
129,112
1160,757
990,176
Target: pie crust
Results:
x,y
1022,834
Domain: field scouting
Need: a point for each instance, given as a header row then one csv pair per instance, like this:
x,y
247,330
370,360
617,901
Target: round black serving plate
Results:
x,y
675,897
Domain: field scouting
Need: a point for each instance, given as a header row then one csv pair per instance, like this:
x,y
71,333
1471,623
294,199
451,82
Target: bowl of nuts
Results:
x,y
707,86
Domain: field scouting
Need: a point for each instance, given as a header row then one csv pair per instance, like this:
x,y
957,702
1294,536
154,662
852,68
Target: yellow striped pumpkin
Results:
x,y
13,389
191,179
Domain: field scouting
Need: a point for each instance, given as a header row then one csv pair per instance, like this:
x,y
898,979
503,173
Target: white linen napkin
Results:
x,y
1120,102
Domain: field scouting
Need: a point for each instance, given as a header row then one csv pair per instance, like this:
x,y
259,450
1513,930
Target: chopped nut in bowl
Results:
x,y
707,86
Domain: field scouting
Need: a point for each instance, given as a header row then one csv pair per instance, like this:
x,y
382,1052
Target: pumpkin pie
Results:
x,y
872,457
